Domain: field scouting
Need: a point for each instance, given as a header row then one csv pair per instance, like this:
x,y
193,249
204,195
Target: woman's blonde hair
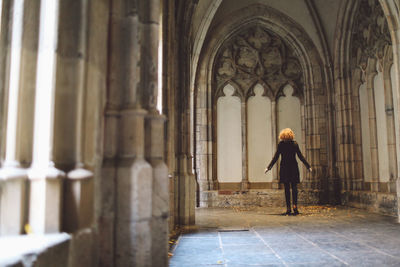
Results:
x,y
286,134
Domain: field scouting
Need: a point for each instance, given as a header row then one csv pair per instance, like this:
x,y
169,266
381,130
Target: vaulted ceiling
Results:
x,y
318,19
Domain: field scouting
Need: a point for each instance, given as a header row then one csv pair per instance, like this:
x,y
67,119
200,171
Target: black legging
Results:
x,y
287,194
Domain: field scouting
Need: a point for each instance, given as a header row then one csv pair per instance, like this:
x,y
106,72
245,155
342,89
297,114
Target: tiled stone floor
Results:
x,y
320,236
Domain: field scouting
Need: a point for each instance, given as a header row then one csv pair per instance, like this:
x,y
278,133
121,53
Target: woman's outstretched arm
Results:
x,y
301,157
274,159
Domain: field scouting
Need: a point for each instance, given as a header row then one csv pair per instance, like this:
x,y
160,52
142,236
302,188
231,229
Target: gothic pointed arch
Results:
x,y
261,46
363,56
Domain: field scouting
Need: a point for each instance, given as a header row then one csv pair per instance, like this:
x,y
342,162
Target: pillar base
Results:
x,y
245,186
45,200
78,200
13,210
133,213
187,199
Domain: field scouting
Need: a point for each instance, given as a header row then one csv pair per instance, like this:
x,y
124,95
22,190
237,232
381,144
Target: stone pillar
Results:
x,y
149,14
107,213
189,164
45,179
134,175
390,118
186,179
12,177
27,82
160,198
5,46
133,193
154,130
274,143
245,176
186,192
370,75
68,117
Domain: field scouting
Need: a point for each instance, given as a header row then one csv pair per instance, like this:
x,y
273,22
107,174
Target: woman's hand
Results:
x,y
310,169
266,170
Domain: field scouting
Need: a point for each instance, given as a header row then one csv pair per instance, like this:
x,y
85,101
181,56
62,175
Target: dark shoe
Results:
x,y
295,212
287,213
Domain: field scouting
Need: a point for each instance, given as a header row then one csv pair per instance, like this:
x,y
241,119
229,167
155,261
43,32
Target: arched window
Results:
x,y
259,135
289,116
229,137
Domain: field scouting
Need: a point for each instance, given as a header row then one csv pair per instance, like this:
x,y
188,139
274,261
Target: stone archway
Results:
x,y
391,11
314,111
363,59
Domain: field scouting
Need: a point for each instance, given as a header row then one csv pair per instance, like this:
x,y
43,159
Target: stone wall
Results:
x,y
84,149
367,153
256,198
290,58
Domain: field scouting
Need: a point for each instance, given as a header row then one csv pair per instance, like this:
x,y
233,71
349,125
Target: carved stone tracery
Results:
x,y
255,55
370,34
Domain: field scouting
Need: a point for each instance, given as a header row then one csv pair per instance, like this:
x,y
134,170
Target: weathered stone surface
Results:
x,y
81,249
385,203
134,213
255,198
13,197
35,250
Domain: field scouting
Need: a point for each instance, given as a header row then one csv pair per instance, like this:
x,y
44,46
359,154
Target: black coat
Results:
x,y
289,171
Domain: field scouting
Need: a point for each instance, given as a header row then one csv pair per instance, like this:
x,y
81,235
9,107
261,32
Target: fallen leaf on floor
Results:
x,y
28,229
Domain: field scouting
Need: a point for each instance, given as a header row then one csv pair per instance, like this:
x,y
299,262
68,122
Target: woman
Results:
x,y
289,171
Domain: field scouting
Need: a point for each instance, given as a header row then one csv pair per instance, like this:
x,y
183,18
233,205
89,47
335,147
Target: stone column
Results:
x,y
27,82
68,117
154,130
160,198
12,177
186,178
5,46
45,179
245,176
390,119
186,191
274,143
133,193
134,176
370,75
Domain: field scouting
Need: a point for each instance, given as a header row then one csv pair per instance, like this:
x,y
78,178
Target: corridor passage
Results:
x,y
320,236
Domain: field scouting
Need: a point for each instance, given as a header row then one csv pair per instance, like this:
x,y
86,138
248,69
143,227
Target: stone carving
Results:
x,y
370,34
255,55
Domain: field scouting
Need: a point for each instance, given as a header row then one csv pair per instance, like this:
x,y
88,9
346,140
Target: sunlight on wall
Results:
x,y
229,137
365,136
160,66
16,43
45,84
383,153
396,112
289,116
259,135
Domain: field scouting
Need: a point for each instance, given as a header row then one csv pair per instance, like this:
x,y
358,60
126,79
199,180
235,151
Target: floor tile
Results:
x,y
348,237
